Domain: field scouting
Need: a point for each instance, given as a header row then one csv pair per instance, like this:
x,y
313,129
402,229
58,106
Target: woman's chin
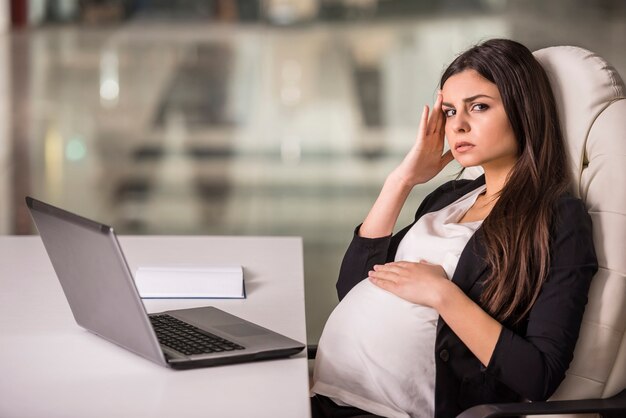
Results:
x,y
468,163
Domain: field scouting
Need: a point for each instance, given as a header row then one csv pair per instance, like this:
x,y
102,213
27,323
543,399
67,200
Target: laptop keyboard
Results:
x,y
187,339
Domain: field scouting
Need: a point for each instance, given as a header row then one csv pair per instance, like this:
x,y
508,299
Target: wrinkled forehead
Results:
x,y
467,84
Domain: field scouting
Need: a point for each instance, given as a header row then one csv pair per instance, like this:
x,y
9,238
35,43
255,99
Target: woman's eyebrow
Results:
x,y
469,99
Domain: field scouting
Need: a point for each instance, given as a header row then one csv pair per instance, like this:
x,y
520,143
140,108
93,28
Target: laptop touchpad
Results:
x,y
242,330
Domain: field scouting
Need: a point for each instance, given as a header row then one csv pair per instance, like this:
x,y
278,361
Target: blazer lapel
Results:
x,y
456,194
471,263
470,268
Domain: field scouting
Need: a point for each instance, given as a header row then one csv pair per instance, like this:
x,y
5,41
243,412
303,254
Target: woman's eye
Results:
x,y
480,107
449,112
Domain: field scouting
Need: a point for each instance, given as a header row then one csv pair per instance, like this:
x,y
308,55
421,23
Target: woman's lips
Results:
x,y
463,147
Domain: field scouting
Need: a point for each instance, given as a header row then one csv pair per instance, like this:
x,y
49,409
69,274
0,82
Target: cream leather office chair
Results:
x,y
591,98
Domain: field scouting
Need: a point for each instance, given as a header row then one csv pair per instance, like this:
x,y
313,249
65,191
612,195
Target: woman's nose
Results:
x,y
460,123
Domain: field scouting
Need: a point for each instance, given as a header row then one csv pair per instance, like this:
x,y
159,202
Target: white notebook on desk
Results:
x,y
163,282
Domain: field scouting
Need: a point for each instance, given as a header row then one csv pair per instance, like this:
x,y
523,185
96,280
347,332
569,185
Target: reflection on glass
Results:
x,y
291,74
53,157
109,79
290,150
6,157
75,149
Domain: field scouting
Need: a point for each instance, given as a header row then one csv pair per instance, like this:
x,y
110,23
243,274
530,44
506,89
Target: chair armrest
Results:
x,y
311,351
610,407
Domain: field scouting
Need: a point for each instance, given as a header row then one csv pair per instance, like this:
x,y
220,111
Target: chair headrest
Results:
x,y
584,85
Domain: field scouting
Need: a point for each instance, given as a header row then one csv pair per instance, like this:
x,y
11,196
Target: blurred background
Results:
x,y
243,117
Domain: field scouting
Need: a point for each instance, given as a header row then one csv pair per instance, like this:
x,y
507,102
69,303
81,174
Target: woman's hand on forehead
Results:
x,y
426,159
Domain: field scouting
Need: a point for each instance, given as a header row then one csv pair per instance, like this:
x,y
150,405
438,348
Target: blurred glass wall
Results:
x,y
224,117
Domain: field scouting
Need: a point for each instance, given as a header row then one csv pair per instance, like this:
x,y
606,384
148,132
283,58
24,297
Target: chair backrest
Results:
x,y
590,97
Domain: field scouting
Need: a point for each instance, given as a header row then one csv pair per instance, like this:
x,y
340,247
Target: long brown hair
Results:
x,y
517,231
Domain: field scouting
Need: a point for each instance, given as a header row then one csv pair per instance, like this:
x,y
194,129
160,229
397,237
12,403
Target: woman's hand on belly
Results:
x,y
426,284
421,283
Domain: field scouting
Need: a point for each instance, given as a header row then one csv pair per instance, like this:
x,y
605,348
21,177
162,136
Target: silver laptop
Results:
x,y
101,292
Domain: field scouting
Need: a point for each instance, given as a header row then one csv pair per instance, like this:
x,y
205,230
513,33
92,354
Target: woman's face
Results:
x,y
477,127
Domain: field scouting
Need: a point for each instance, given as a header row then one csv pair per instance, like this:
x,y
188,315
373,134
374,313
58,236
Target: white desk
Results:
x,y
51,367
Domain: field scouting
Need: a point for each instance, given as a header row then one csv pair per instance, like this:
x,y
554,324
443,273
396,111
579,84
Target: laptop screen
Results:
x,y
95,278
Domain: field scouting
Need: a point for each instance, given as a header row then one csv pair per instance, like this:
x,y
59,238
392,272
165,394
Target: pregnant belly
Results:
x,y
380,347
378,321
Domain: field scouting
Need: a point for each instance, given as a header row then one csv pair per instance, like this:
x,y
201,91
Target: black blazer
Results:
x,y
530,358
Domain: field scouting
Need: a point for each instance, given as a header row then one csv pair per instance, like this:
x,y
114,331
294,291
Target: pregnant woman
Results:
x,y
480,300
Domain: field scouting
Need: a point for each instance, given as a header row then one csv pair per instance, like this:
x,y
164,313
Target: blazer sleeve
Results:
x,y
361,256
534,364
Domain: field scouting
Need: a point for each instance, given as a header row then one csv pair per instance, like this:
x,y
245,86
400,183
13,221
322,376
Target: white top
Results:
x,y
377,350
